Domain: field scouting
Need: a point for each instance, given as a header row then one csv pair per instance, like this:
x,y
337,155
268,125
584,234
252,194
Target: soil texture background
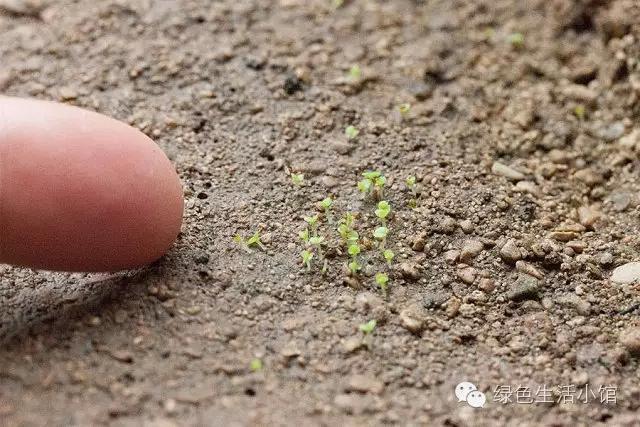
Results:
x,y
522,134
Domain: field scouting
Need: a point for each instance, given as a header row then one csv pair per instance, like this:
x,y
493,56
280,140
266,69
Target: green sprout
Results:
x,y
371,175
516,40
297,179
411,182
411,185
382,280
306,258
384,208
373,181
355,73
348,235
326,204
354,251
337,4
367,328
354,267
304,235
349,219
404,109
388,255
364,186
317,242
579,111
251,241
380,233
351,132
256,365
313,223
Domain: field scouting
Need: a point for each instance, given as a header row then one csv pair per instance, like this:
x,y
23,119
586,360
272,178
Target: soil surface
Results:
x,y
523,136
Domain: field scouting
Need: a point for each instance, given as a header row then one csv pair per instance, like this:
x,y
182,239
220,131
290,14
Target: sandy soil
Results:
x,y
523,138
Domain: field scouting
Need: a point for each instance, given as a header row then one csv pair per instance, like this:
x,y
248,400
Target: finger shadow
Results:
x,y
51,303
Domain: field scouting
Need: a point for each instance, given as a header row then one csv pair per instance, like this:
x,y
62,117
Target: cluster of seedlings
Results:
x,y
247,244
328,234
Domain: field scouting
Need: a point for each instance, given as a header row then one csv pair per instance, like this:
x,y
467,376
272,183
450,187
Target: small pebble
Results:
x,y
630,339
453,307
467,274
487,285
507,172
434,299
525,287
626,274
451,257
467,226
364,384
412,320
562,236
510,252
611,132
470,250
526,268
409,271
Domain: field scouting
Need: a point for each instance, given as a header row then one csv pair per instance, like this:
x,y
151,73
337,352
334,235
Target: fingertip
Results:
x,y
82,192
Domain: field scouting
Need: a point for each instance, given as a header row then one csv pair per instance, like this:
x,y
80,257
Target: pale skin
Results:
x,y
82,192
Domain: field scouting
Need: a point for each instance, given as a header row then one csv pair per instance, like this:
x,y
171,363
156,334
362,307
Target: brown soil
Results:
x,y
238,92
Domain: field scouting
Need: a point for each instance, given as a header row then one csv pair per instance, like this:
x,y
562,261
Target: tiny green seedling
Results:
x,y
354,267
368,328
351,132
304,235
297,179
337,3
364,186
345,229
373,182
382,280
404,109
326,204
348,235
516,40
255,241
411,185
383,211
313,223
388,256
316,241
250,242
580,111
256,365
411,182
355,73
367,331
306,259
353,250
380,233
349,219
